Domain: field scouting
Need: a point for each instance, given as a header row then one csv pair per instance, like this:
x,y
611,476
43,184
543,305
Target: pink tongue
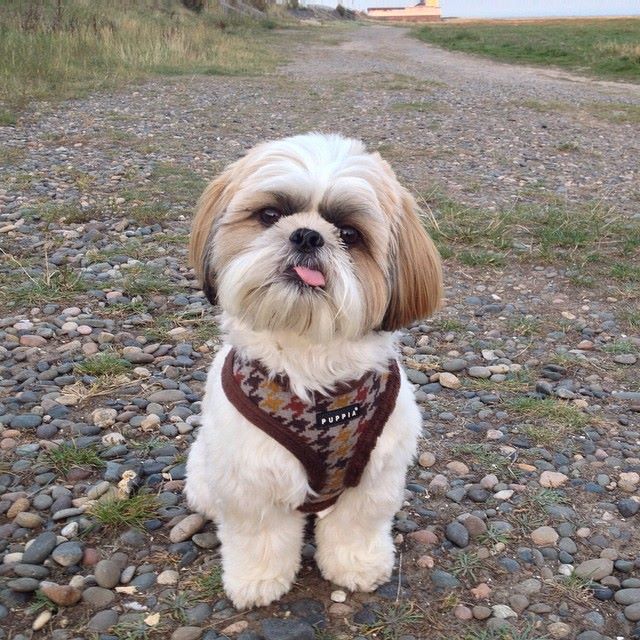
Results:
x,y
310,276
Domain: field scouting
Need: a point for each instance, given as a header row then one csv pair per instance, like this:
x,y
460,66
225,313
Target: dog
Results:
x,y
316,255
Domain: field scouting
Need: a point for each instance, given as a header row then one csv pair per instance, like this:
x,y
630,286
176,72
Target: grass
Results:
x,y
493,536
620,346
40,602
46,53
531,512
142,280
465,566
528,632
131,630
606,48
484,457
68,456
103,364
206,587
128,512
395,620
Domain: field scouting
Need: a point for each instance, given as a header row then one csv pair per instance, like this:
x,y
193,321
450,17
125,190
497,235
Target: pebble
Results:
x,y
479,372
187,633
544,536
426,459
457,533
168,577
186,528
41,620
338,596
107,574
104,418
594,569
277,629
102,621
98,597
62,594
40,549
67,554
553,479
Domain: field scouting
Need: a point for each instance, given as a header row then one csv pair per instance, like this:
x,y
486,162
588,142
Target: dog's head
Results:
x,y
313,235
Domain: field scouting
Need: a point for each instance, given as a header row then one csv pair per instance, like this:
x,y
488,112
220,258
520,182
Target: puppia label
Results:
x,y
337,416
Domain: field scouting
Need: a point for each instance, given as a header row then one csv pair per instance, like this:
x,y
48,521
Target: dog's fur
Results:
x,y
237,474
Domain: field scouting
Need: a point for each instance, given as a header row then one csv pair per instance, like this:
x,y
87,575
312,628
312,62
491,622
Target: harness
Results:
x,y
333,435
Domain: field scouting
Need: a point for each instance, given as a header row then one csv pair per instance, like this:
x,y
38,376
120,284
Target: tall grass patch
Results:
x,y
604,47
46,52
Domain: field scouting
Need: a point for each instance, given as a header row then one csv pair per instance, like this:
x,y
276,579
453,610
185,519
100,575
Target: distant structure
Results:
x,y
424,11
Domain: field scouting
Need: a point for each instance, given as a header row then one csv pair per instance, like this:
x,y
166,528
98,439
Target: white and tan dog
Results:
x,y
316,254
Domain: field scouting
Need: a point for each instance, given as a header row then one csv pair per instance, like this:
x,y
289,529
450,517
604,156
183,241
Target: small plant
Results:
x,y
482,259
40,602
493,536
131,630
564,417
207,586
141,280
178,603
68,456
103,364
620,346
50,286
486,458
395,620
465,565
127,512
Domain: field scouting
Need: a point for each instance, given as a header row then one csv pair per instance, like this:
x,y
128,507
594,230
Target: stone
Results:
x,y
42,619
187,633
475,526
97,597
167,395
449,380
235,628
559,630
289,629
627,596
28,340
23,585
462,613
481,591
632,612
502,611
594,569
444,580
553,479
67,554
168,577
480,612
338,596
424,536
28,520
104,417
479,372
458,468
457,533
102,621
62,594
544,536
107,574
426,459
40,549
628,507
186,528
19,506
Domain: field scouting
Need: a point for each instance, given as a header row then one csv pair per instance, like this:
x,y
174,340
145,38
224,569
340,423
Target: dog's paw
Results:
x,y
255,593
356,569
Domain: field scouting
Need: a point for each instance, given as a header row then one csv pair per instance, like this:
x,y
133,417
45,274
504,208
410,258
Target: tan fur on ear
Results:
x,y
416,274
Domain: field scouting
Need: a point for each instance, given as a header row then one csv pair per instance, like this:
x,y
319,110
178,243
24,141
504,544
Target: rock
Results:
x,y
481,591
40,549
625,358
559,630
19,506
338,596
32,341
424,536
628,481
107,574
235,628
502,611
426,459
23,585
168,577
457,533
102,621
67,554
41,620
481,612
167,395
449,381
97,597
456,364
632,612
458,468
443,580
552,479
544,536
104,417
595,569
628,507
290,629
479,372
462,613
439,485
28,520
186,528
187,633
475,526
627,596
62,594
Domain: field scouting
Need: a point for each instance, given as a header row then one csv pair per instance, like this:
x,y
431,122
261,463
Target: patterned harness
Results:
x,y
332,436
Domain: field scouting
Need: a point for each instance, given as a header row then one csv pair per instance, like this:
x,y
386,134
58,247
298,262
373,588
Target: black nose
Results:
x,y
306,240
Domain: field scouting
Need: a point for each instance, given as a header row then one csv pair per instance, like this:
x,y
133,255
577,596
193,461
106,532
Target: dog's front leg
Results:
x,y
260,552
355,547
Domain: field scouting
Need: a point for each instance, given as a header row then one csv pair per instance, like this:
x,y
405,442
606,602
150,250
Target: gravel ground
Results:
x,y
520,518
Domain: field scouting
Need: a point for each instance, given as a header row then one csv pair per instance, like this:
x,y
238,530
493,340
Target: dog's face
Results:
x,y
315,236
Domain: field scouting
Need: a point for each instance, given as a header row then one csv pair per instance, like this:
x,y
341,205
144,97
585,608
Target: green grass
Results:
x,y
607,48
103,364
620,346
395,620
465,566
68,456
130,512
493,536
483,456
94,45
142,280
40,602
208,586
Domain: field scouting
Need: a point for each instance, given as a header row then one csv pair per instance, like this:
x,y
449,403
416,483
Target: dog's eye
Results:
x,y
269,216
349,236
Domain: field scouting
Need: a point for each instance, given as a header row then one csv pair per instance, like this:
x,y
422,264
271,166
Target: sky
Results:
x,y
507,8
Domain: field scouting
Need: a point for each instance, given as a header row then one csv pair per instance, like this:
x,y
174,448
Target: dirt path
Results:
x,y
530,464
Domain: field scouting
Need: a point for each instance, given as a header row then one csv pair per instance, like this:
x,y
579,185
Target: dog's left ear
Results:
x,y
211,205
416,274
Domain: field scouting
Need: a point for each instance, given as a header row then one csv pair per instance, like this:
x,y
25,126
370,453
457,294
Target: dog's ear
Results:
x,y
416,275
211,205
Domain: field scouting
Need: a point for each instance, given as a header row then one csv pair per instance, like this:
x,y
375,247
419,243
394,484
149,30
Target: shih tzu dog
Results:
x,y
316,255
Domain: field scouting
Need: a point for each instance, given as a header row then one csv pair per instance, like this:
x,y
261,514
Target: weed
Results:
x,y
131,630
481,258
7,118
620,346
68,456
482,455
493,536
524,326
528,632
141,280
561,417
631,318
178,602
395,620
127,512
103,364
40,602
50,286
447,325
208,586
465,565
568,147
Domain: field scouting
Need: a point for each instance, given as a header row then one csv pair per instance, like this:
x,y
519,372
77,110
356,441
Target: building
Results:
x,y
424,11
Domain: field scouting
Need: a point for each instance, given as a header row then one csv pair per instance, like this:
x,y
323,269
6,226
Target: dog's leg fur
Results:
x,y
260,552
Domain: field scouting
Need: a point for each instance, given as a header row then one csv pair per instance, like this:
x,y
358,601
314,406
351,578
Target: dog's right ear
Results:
x,y
211,206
